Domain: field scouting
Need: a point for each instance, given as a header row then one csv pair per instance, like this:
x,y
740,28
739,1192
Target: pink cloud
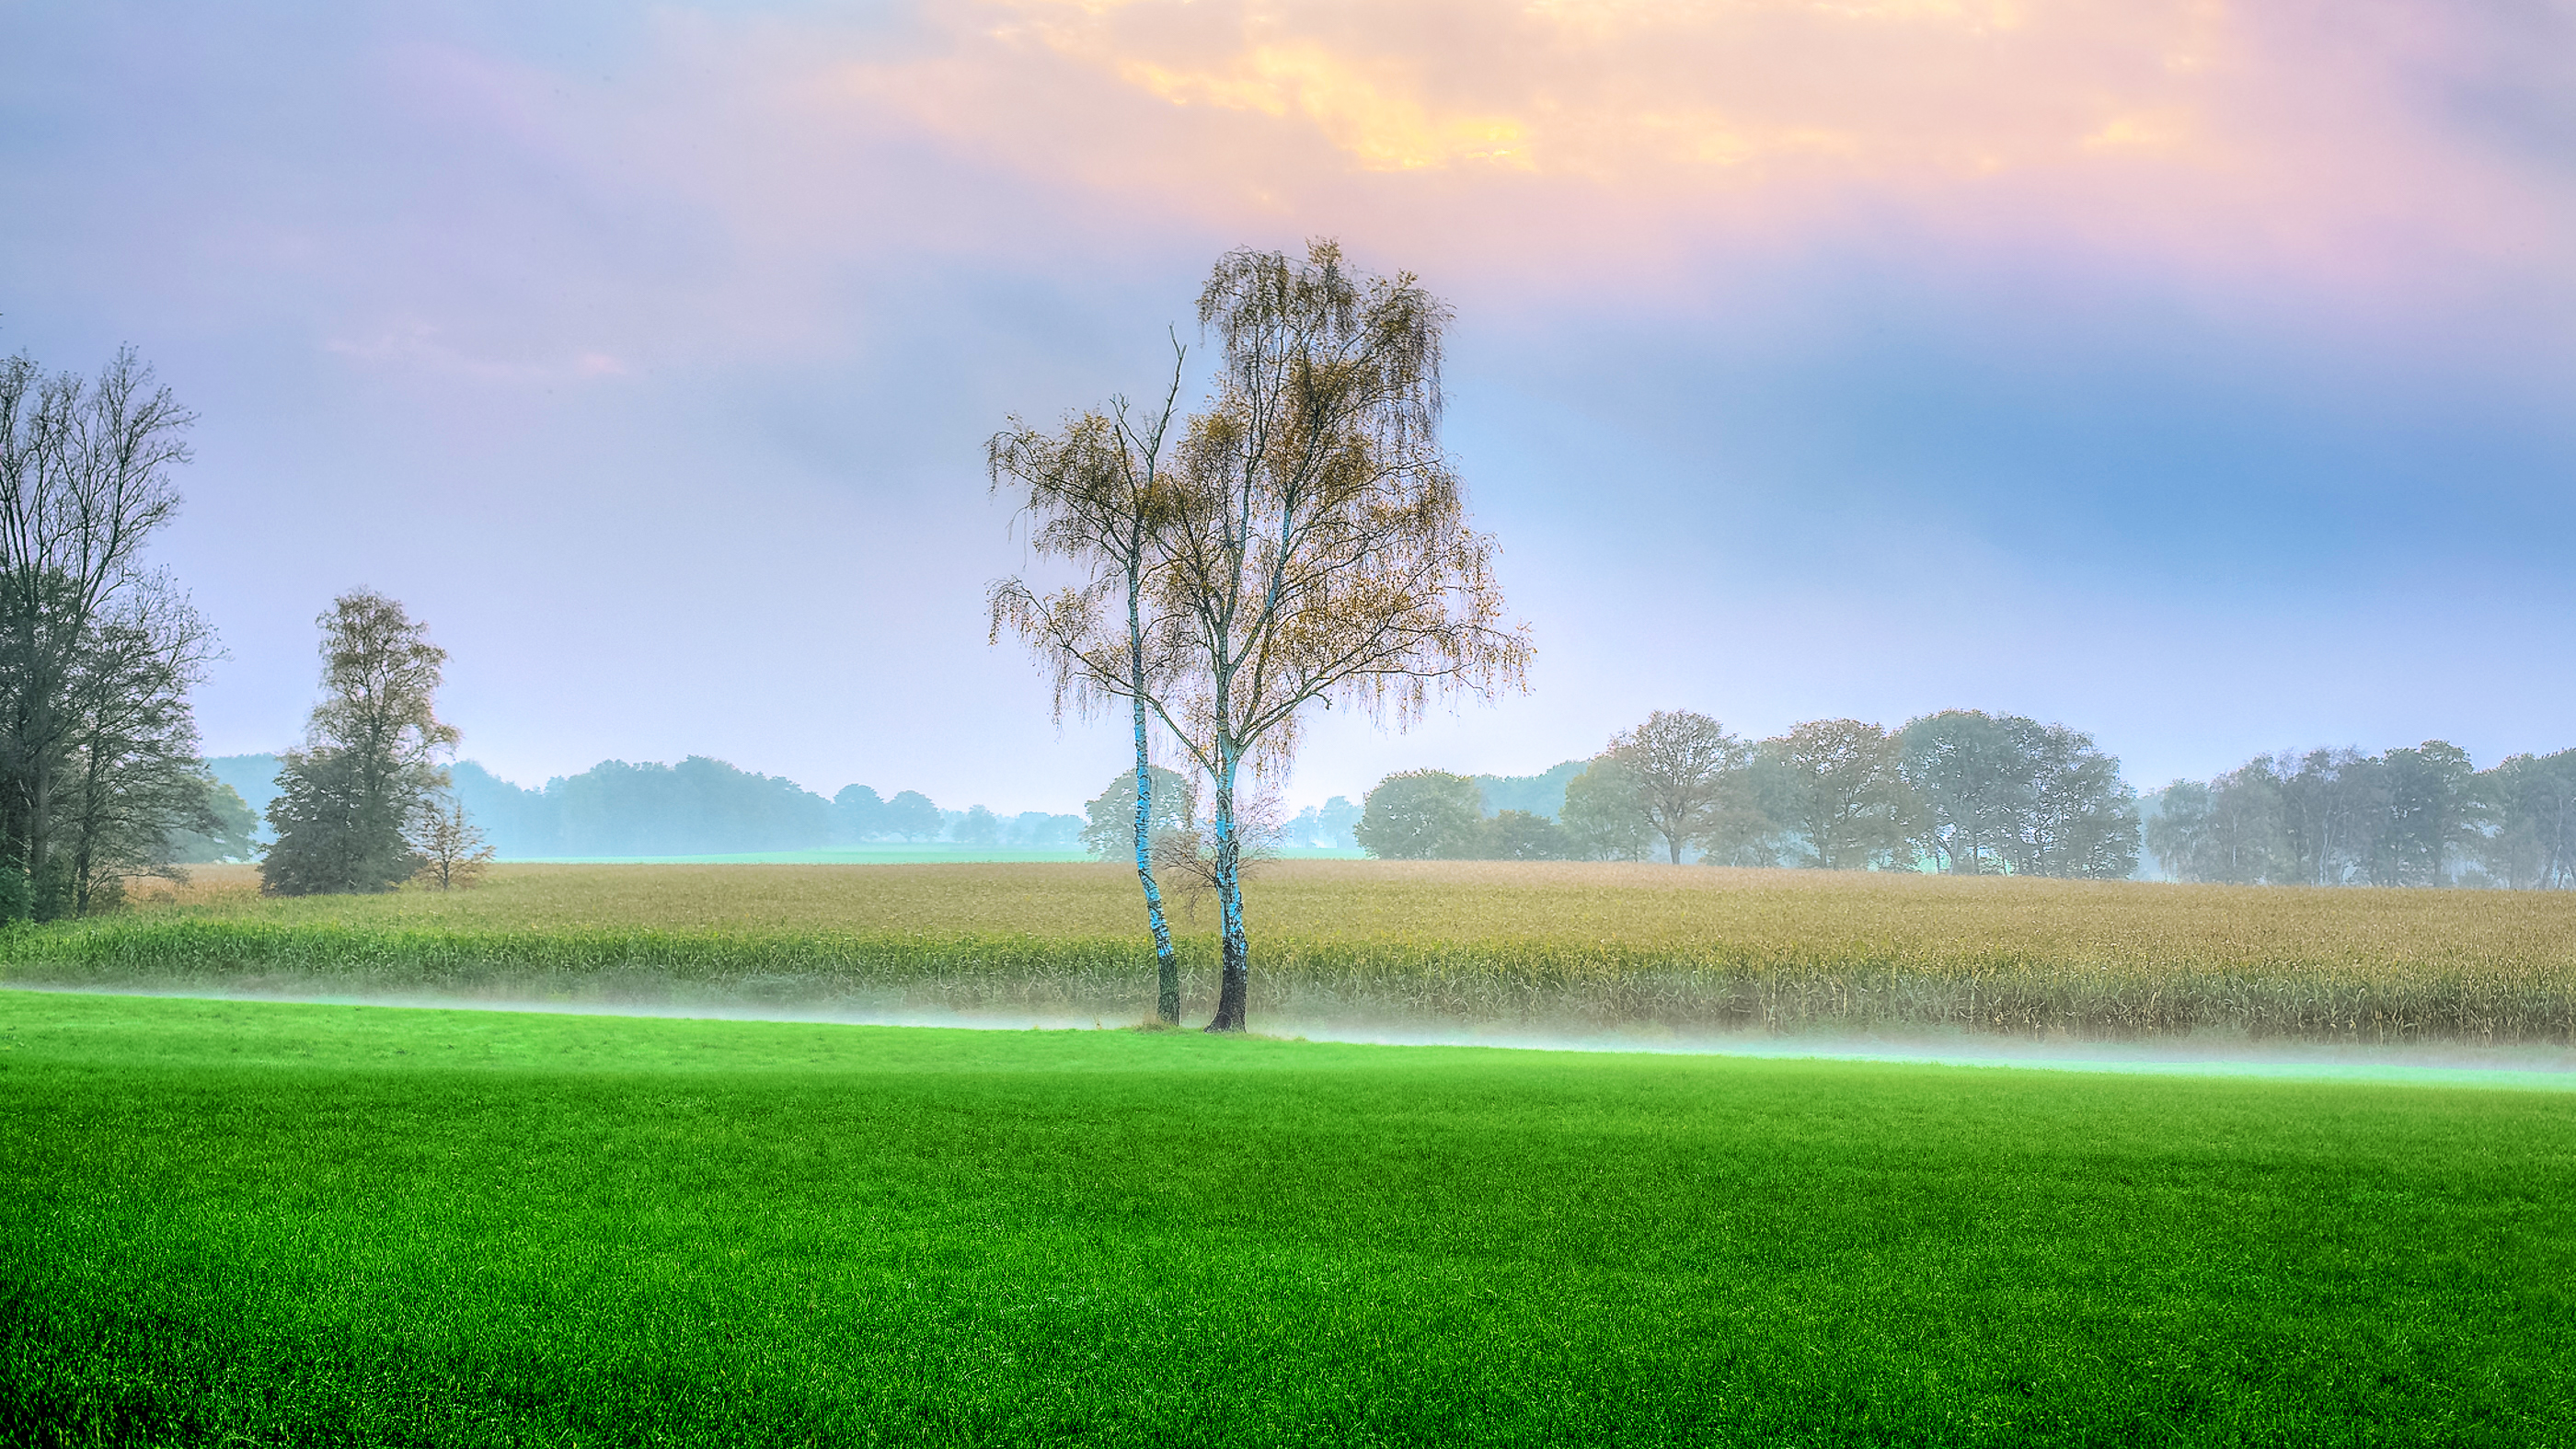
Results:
x,y
2253,142
741,176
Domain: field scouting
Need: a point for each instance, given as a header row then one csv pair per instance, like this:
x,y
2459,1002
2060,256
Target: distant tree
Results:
x,y
700,806
2411,817
1340,819
1041,830
1327,826
452,853
981,828
370,763
1189,856
2333,802
1423,815
231,833
1603,819
1109,819
1966,768
1096,497
97,652
911,816
2004,792
2177,835
2431,815
253,777
2231,830
1679,761
1750,827
1321,550
1305,828
2532,804
1521,835
2081,819
1542,795
2248,826
515,820
1844,798
858,814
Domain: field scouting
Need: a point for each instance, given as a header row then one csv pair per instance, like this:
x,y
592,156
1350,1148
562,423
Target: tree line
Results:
x,y
700,806
101,779
368,802
704,806
1961,791
2420,816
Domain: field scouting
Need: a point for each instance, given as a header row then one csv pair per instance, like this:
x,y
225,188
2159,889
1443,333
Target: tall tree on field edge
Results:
x,y
369,773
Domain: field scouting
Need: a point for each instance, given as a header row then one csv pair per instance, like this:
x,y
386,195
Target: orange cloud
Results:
x,y
1635,90
1602,146
2182,129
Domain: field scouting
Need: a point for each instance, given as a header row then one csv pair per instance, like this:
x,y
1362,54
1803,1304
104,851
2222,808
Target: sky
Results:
x,y
2202,376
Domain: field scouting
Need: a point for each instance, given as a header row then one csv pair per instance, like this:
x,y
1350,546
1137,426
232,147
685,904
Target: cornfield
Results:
x,y
1591,947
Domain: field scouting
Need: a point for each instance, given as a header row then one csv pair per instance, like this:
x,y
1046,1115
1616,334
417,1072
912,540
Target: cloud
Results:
x,y
2246,143
1662,95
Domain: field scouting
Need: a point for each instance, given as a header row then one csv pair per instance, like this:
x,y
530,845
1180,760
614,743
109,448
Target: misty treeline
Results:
x,y
1175,827
2424,816
703,806
1961,791
700,806
99,768
369,802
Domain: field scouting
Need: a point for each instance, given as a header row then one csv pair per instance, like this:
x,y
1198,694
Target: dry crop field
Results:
x,y
1569,944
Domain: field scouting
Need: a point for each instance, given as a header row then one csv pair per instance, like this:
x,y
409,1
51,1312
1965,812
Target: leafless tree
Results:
x,y
1189,855
452,853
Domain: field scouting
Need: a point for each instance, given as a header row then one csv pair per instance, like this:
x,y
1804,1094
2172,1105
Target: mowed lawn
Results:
x,y
262,1223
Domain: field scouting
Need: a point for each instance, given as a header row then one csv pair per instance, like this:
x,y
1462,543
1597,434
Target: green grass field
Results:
x,y
272,1224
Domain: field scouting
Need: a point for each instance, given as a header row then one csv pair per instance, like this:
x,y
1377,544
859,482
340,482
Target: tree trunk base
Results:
x,y
1230,995
1167,990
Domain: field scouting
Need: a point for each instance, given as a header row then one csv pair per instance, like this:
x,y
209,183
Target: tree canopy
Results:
x,y
371,769
1960,791
1423,815
2416,816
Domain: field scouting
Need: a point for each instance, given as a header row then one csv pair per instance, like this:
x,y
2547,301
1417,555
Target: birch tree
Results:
x,y
1322,550
1096,497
